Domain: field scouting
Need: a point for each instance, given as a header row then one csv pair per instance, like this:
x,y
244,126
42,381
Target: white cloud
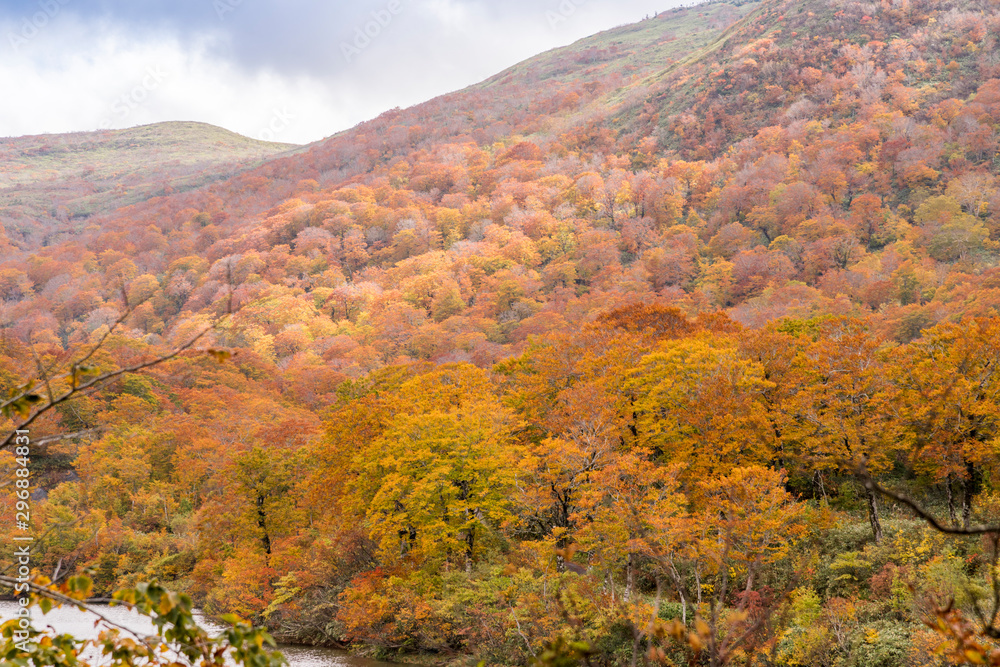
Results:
x,y
115,81
81,74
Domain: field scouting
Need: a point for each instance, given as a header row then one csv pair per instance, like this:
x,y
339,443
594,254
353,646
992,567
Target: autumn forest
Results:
x,y
679,345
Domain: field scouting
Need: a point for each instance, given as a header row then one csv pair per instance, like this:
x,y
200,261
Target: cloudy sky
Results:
x,y
287,70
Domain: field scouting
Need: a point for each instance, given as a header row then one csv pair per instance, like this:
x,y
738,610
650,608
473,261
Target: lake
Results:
x,y
79,624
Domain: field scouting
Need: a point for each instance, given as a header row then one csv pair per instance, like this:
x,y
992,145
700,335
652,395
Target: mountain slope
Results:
x,y
793,188
49,180
820,59
632,50
677,152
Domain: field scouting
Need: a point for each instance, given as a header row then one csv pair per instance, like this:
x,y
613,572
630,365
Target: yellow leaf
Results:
x,y
974,656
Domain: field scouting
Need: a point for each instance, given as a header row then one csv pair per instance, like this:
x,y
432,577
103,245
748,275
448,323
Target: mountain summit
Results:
x,y
47,181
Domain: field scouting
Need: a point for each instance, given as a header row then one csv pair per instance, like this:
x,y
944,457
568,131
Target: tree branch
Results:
x,y
872,485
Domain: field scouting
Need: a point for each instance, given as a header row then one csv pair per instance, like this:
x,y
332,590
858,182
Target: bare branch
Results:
x,y
872,485
68,436
65,599
101,380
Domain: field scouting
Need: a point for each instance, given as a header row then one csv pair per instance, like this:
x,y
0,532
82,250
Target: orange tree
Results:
x,y
948,392
839,415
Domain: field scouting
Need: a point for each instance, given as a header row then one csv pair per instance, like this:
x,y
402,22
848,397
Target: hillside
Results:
x,y
637,50
47,181
632,330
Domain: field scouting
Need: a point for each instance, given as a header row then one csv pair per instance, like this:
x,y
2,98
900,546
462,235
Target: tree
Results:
x,y
77,375
869,221
840,415
437,484
180,637
631,502
752,522
949,233
698,403
973,191
581,412
948,391
264,479
558,493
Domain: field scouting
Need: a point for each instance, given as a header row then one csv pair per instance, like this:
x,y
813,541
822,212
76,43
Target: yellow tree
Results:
x,y
438,482
580,411
359,418
557,471
774,348
741,534
948,389
631,505
747,520
840,416
630,502
699,403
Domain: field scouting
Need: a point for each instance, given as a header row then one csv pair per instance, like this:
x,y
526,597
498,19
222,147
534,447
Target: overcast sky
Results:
x,y
287,70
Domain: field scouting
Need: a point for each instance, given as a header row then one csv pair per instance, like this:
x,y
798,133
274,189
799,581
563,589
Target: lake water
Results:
x,y
81,625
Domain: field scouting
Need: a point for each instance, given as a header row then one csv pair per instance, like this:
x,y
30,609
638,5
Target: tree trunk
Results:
x,y
629,577
470,543
951,502
973,482
873,515
679,585
262,524
637,634
822,487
